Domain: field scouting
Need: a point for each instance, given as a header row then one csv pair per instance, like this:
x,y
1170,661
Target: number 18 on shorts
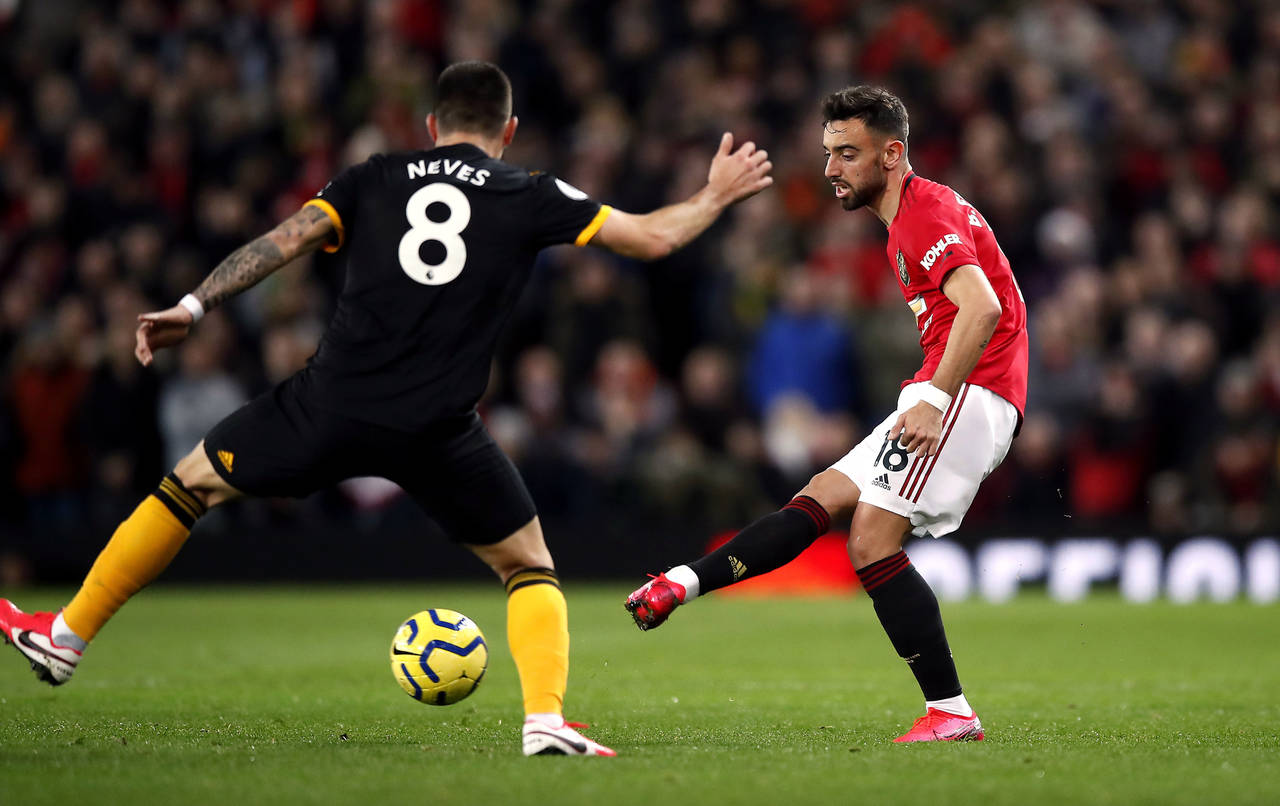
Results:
x,y
934,492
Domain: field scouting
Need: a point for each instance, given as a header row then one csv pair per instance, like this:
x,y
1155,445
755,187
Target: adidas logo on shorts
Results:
x,y
882,481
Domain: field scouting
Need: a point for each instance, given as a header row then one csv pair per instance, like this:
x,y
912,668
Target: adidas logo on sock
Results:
x,y
739,568
882,482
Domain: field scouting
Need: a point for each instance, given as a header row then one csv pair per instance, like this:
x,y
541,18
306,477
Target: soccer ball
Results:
x,y
439,656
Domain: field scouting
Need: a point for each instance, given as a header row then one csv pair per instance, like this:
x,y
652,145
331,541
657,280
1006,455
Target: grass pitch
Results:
x,y
257,695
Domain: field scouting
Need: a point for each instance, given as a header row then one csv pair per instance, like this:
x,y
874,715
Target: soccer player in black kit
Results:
x,y
438,245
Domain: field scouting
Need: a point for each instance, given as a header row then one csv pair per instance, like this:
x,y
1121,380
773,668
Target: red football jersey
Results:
x,y
934,232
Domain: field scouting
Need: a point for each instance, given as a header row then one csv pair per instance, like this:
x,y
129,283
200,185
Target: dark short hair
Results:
x,y
473,97
879,110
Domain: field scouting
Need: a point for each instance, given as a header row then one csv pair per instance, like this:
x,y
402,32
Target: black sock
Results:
x,y
769,543
909,613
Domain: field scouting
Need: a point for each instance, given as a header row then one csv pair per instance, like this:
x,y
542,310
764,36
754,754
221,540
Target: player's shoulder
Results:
x,y
551,183
925,202
920,195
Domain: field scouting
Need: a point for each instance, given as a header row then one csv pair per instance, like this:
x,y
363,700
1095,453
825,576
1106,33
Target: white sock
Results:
x,y
63,635
554,721
957,705
683,575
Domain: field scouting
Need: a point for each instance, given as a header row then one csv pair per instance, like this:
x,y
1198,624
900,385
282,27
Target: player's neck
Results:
x,y
489,145
886,206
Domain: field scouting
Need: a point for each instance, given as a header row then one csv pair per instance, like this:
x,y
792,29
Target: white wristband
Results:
x,y
935,397
193,305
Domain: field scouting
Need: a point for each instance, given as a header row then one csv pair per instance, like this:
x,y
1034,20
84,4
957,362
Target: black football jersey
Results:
x,y
438,246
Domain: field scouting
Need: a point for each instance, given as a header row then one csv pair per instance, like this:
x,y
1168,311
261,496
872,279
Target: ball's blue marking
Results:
x,y
460,651
442,623
417,689
412,624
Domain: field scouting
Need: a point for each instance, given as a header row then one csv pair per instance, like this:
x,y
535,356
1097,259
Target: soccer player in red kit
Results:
x,y
918,471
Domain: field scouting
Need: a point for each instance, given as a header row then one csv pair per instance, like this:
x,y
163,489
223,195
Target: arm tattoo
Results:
x,y
299,233
240,270
300,224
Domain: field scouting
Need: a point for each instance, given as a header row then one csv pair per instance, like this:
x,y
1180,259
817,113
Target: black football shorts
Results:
x,y
281,445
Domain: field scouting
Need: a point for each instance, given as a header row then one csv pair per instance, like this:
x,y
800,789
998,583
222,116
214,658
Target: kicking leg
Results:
x,y
909,613
142,546
538,634
768,544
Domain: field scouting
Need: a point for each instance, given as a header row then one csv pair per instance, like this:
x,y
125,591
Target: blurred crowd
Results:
x,y
1125,152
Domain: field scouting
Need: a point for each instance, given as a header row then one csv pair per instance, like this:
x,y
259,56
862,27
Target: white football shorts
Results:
x,y
934,492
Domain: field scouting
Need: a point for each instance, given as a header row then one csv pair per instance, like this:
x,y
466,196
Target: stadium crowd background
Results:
x,y
1126,153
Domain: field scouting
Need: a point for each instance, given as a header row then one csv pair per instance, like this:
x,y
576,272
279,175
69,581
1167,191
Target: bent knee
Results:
x,y
523,550
196,473
875,534
863,552
835,491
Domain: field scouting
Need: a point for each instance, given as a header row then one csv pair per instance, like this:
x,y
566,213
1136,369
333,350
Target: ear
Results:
x,y
433,128
509,131
894,152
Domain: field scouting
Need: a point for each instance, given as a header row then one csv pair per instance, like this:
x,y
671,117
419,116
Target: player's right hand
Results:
x,y
161,329
737,175
918,429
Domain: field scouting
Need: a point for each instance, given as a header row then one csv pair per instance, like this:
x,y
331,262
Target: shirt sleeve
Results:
x,y
565,214
338,200
939,238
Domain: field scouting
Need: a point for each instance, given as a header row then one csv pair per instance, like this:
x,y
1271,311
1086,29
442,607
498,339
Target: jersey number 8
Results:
x,y
448,233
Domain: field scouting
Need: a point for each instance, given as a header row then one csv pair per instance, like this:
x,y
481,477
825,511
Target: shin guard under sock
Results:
x,y
909,613
769,543
538,634
142,546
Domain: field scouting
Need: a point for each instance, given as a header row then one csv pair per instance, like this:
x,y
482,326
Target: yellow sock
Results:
x,y
142,546
538,634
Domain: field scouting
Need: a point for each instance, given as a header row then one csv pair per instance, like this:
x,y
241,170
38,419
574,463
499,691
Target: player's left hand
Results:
x,y
738,175
160,329
920,428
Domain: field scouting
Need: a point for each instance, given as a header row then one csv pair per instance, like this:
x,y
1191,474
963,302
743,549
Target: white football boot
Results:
x,y
543,739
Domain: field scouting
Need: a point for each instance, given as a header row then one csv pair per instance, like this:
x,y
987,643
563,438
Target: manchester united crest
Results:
x,y
902,269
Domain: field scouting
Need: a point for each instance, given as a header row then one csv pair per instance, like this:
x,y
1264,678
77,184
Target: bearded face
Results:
x,y
853,163
852,197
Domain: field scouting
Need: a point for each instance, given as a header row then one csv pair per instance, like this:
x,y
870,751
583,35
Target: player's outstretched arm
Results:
x,y
734,176
304,231
977,314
